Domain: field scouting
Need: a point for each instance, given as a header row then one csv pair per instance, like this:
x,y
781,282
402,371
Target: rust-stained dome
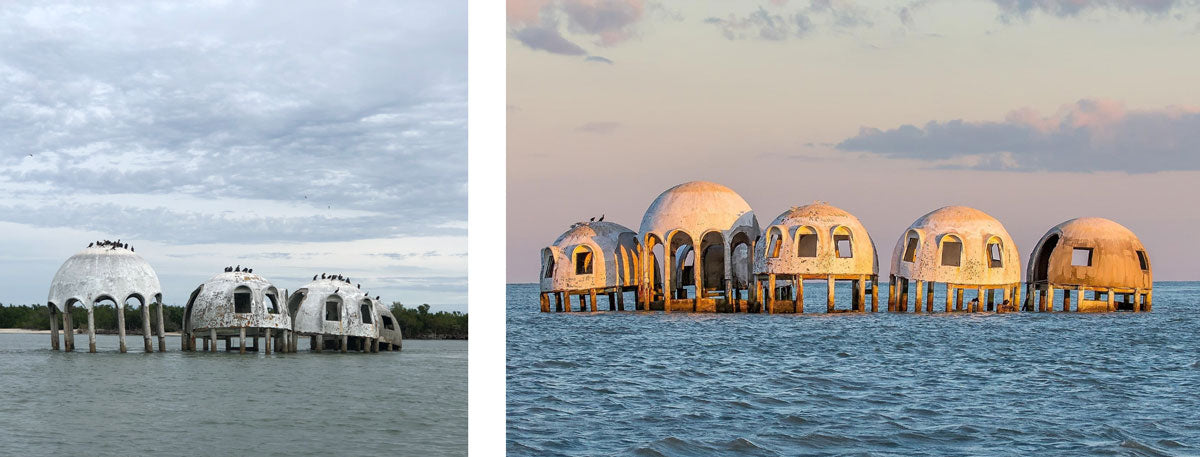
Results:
x,y
214,305
1091,251
345,304
805,239
954,245
698,207
613,250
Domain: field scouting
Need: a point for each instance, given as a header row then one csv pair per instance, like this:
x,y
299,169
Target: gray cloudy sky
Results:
x,y
293,137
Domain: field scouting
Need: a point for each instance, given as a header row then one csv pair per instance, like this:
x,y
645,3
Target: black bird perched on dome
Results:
x,y
238,269
249,270
90,244
601,218
376,297
336,290
593,219
358,286
131,250
228,269
314,277
322,275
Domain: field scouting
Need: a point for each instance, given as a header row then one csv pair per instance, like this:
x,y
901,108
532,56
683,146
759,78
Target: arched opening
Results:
x,y
365,312
133,318
995,252
843,246
547,263
740,260
951,251
387,322
583,260
681,263
626,255
104,312
1042,264
242,299
294,301
333,308
712,262
271,300
774,242
655,262
187,310
912,240
806,242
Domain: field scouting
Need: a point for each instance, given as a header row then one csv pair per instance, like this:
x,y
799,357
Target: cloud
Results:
x,y
1089,135
536,23
597,59
1068,8
767,25
603,128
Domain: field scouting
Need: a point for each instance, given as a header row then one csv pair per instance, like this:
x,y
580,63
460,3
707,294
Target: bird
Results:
x,y
314,277
131,250
601,218
249,270
228,269
376,297
322,275
593,219
337,290
238,268
358,285
90,244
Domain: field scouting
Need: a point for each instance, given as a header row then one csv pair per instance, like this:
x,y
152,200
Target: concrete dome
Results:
x,y
307,306
929,258
103,272
695,208
213,304
782,251
614,258
1118,259
389,326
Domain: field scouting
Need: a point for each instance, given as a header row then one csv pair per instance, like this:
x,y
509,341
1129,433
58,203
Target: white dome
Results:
x,y
212,304
974,230
103,272
614,248
698,207
392,335
827,223
307,307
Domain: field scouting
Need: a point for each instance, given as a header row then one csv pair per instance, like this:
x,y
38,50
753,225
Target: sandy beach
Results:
x,y
47,332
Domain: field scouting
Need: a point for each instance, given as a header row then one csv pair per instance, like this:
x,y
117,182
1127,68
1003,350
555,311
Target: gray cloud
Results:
x,y
598,59
1090,135
535,23
1066,8
547,38
777,26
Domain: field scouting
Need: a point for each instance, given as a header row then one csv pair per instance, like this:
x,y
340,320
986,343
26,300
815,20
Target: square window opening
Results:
x,y
583,263
331,311
808,245
842,243
272,304
387,323
994,259
910,250
1081,257
365,312
951,254
241,302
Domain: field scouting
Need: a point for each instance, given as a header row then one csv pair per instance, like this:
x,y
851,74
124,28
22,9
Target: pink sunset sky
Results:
x,y
1032,111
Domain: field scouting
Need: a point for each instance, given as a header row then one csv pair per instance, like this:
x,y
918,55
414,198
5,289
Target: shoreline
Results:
x,y
128,335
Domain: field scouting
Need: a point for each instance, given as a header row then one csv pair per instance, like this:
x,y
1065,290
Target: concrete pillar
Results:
x,y
875,294
949,296
698,273
1109,294
544,301
53,331
320,343
162,331
1137,302
374,344
1079,298
758,295
891,303
902,295
729,292
68,331
1049,298
583,303
979,298
558,302
799,294
620,301
267,342
592,300
242,340
958,298
147,343
1066,303
771,294
991,299
829,299
1149,305
666,276
345,339
929,297
918,301
1005,297
92,329
1016,295
120,309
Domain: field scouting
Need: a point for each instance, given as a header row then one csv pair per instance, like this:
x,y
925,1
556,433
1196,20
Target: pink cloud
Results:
x,y
535,23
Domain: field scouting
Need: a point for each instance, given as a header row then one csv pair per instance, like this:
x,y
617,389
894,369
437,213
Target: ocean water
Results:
x,y
412,402
634,383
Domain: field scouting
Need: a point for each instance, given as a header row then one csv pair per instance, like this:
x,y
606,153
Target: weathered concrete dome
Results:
x,y
805,240
695,208
236,300
389,326
954,245
1109,256
96,273
352,311
591,255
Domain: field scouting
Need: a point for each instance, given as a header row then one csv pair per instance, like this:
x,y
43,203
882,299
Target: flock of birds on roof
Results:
x,y
593,219
238,269
111,245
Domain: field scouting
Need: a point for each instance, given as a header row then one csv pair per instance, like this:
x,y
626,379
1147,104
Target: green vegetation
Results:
x,y
419,323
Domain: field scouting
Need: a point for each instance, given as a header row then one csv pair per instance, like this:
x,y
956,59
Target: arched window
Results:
x,y
995,253
776,242
951,251
242,299
272,301
910,246
365,312
1143,260
547,263
583,260
806,242
842,243
333,308
387,323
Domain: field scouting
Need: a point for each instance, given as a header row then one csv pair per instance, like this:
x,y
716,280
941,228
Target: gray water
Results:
x,y
868,384
412,402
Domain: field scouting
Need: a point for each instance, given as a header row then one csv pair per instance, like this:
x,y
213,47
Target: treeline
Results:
x,y
37,317
419,323
416,323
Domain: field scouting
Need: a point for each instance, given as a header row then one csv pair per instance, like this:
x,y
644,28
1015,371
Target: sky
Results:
x,y
294,138
1034,111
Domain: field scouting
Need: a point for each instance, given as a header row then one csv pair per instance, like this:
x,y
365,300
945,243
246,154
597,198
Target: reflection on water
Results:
x,y
412,402
895,384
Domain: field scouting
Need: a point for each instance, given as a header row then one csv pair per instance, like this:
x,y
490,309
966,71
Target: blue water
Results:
x,y
881,384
